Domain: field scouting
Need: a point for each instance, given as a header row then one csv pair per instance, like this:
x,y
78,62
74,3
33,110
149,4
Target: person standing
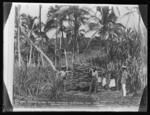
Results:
x,y
94,81
99,81
95,75
123,80
112,83
104,81
91,77
61,76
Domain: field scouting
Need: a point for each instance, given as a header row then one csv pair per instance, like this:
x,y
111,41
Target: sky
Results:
x,y
33,8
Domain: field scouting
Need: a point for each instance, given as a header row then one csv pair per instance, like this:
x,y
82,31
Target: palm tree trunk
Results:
x,y
78,51
66,59
60,43
73,51
34,62
19,54
55,49
40,17
30,56
61,39
75,35
73,55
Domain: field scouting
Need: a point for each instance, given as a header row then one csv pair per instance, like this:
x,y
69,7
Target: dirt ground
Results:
x,y
101,101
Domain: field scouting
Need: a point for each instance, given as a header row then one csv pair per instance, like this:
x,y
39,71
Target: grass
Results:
x,y
74,98
48,93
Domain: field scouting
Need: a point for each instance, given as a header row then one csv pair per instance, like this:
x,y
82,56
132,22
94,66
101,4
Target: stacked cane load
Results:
x,y
80,79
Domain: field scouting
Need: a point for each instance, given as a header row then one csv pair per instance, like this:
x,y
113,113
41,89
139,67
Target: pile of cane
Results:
x,y
80,78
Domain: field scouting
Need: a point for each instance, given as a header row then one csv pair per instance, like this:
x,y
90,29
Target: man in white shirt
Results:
x,y
123,80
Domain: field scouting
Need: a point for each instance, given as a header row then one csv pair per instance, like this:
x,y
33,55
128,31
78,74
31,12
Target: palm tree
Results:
x,y
75,16
29,30
55,21
27,24
106,25
79,18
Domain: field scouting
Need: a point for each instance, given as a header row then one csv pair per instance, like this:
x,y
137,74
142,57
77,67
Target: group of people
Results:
x,y
99,80
107,82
